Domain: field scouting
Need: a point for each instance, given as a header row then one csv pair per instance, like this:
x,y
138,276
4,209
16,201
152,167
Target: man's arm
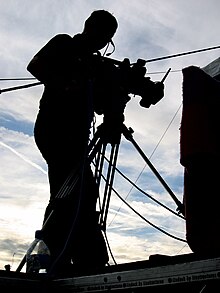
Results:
x,y
50,63
37,68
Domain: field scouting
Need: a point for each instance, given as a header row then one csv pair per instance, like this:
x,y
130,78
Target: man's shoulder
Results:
x,y
59,41
62,37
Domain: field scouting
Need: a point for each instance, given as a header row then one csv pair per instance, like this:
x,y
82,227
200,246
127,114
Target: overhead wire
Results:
x,y
33,78
21,78
40,83
19,87
182,54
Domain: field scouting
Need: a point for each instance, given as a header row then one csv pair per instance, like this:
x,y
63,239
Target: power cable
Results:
x,y
109,248
142,191
143,218
148,195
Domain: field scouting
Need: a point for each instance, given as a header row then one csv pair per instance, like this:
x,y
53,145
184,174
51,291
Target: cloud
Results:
x,y
9,122
147,29
23,157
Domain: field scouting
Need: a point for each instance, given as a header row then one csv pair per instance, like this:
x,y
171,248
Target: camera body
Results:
x,y
116,80
137,83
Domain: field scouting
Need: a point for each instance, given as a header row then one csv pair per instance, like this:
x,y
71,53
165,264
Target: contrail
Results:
x,y
23,157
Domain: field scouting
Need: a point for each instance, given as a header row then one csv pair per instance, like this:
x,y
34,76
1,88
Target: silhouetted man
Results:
x,y
66,67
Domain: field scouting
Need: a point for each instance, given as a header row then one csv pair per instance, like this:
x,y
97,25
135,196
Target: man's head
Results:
x,y
99,28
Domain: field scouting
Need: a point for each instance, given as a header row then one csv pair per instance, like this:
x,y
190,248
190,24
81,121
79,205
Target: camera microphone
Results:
x,y
113,45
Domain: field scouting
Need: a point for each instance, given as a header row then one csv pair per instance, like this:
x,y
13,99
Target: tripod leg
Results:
x,y
99,163
108,185
128,135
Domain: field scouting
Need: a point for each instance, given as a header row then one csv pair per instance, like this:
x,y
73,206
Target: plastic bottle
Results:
x,y
38,255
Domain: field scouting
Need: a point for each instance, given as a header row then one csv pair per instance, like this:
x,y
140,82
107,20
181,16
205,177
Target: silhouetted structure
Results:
x,y
200,156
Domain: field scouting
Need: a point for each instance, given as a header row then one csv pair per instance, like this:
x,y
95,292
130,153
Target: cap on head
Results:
x,y
101,21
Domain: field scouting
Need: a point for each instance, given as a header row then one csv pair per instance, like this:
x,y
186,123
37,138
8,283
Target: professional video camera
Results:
x,y
137,83
121,78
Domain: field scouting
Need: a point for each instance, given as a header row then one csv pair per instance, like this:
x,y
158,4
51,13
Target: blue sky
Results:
x,y
147,29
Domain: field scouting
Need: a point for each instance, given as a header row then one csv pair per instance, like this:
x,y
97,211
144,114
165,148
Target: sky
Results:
x,y
148,29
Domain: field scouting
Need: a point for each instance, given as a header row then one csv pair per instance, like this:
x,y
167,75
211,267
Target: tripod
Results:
x,y
99,144
96,151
